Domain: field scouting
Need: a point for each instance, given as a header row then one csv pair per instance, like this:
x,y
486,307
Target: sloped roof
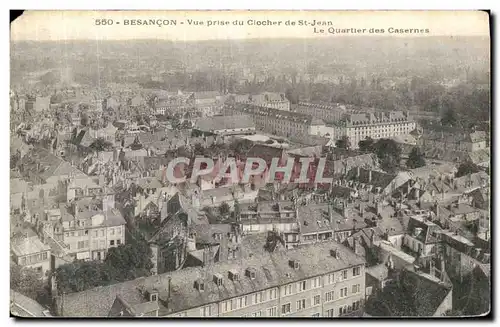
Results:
x,y
224,122
23,306
272,269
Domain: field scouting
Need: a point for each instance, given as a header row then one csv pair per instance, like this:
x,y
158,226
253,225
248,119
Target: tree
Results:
x,y
27,282
449,118
467,168
292,95
125,262
415,159
343,143
100,144
224,208
388,153
366,145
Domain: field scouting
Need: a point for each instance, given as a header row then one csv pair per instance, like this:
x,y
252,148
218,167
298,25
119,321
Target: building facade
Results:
x,y
269,100
360,126
322,280
274,121
30,252
327,113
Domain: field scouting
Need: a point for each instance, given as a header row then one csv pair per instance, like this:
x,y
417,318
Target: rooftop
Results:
x,y
271,269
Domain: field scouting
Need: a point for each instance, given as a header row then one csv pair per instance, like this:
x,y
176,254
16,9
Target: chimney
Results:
x,y
358,173
369,176
379,208
330,212
344,210
443,269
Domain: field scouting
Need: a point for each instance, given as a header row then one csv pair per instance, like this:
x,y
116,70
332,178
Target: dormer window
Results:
x,y
199,285
295,264
251,273
153,296
234,275
218,279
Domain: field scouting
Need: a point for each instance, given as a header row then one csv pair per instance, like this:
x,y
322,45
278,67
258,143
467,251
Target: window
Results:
x,y
102,232
101,244
330,313
112,231
119,230
356,288
301,286
356,271
44,256
112,242
315,315
356,305
72,233
343,276
316,300
343,292
95,233
331,279
206,311
301,304
23,260
343,310
247,301
86,244
288,289
272,294
81,244
240,303
272,312
286,309
118,242
227,306
316,282
329,296
257,314
257,298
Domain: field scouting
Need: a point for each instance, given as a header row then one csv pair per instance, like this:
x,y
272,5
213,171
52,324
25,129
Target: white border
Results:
x,y
189,4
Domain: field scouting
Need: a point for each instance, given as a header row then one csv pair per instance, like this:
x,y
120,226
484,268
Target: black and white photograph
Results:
x,y
250,164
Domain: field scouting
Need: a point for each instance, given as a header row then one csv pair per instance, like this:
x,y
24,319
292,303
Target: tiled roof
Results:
x,y
272,269
206,94
28,245
224,122
23,306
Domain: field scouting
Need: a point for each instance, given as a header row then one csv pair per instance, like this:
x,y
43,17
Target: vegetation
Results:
x,y
27,281
343,143
449,118
224,209
366,145
122,263
467,168
415,159
101,144
388,153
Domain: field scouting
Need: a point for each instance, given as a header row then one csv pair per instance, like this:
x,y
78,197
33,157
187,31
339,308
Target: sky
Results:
x,y
82,25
